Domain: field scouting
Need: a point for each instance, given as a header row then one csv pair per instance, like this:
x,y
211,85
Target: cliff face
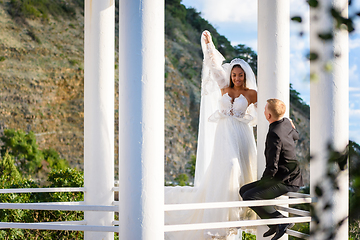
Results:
x,y
41,75
42,82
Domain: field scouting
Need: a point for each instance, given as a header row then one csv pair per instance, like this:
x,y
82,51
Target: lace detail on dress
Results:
x,y
239,109
213,74
227,108
236,108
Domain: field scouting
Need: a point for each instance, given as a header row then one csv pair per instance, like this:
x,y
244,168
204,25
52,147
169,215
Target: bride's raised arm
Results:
x,y
212,65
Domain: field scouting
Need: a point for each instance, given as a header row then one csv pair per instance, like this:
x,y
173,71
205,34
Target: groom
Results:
x,y
282,172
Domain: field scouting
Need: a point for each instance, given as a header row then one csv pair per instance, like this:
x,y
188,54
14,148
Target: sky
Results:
x,y
239,26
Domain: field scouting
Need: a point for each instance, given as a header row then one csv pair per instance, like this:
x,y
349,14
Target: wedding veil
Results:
x,y
211,84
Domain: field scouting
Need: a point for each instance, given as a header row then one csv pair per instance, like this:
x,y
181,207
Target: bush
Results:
x,y
248,236
24,148
54,160
19,157
182,179
57,178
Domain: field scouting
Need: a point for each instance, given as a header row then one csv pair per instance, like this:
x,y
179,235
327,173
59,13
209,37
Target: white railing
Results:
x,y
294,198
62,206
42,190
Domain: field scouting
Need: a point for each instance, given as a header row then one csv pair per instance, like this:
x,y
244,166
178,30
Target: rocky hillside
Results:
x,y
41,74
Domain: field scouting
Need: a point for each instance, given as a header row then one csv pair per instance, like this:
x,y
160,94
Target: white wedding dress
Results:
x,y
226,155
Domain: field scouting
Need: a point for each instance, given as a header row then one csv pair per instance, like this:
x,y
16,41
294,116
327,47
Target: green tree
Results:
x,y
298,102
176,9
57,178
247,54
24,148
8,168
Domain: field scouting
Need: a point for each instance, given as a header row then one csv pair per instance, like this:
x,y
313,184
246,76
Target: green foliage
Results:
x,y
24,148
296,19
73,62
54,160
19,153
342,21
248,236
224,46
176,9
2,58
300,227
15,215
8,169
172,24
191,166
298,102
33,36
324,36
27,156
57,178
182,179
354,230
193,17
178,17
313,3
337,162
43,8
354,172
69,177
247,54
312,56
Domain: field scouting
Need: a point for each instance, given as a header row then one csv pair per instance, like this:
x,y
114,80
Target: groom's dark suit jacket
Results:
x,y
281,163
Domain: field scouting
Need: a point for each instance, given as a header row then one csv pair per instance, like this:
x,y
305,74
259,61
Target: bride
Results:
x,y
226,152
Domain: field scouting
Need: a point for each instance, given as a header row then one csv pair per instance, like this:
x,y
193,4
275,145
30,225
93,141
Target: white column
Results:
x,y
99,112
273,68
329,109
141,129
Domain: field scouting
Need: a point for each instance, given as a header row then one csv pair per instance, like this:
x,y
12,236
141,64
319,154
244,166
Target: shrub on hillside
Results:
x,y
57,178
19,150
43,8
23,147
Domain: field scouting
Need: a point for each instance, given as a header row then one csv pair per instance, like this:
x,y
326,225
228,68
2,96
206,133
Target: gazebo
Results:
x,y
141,114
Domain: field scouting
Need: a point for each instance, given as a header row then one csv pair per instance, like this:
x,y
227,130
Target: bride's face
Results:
x,y
238,76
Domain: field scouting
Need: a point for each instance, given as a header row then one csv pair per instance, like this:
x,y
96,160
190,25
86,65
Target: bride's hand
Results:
x,y
207,37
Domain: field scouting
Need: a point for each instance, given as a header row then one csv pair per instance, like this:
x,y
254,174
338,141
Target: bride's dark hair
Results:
x,y
231,82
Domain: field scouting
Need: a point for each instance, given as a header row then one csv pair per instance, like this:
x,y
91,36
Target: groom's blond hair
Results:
x,y
276,107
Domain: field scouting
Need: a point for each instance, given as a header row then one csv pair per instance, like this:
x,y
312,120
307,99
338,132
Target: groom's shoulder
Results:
x,y
282,127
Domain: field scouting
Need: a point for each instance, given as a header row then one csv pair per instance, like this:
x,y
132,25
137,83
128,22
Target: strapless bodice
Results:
x,y
236,108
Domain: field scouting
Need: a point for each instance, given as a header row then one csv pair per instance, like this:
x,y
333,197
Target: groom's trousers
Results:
x,y
261,190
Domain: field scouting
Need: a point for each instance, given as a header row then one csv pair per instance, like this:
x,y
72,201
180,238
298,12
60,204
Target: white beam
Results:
x,y
253,203
99,112
141,127
329,110
273,67
235,224
273,62
33,190
58,227
61,206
